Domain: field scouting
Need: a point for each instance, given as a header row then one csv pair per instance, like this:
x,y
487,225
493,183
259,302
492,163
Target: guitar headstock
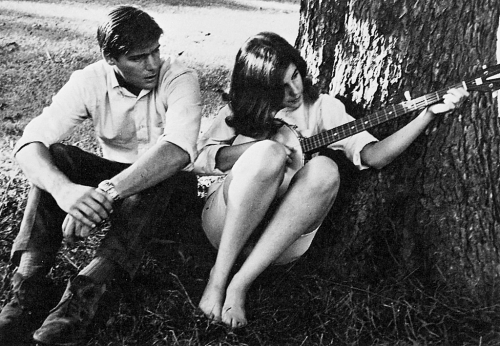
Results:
x,y
487,80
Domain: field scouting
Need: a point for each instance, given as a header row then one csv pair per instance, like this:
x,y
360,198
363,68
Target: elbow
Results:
x,y
183,159
377,164
175,155
375,158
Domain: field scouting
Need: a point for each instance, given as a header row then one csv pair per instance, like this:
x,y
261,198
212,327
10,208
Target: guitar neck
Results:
x,y
311,144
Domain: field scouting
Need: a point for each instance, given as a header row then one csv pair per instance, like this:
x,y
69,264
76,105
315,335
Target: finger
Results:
x,y
65,225
82,230
68,229
92,210
457,95
90,214
453,99
449,102
78,227
460,92
77,214
97,208
104,199
85,232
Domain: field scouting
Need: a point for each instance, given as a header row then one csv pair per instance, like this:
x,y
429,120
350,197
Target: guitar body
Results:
x,y
288,136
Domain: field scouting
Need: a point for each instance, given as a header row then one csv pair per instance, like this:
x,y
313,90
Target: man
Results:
x,y
146,114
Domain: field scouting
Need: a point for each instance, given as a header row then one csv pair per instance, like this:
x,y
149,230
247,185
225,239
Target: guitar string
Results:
x,y
353,127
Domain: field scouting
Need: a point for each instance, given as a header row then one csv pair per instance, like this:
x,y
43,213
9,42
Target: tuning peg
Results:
x,y
485,67
407,95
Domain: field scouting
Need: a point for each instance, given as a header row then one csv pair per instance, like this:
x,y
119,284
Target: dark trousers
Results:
x,y
134,221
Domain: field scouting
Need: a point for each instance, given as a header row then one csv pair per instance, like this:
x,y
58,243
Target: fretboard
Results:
x,y
311,144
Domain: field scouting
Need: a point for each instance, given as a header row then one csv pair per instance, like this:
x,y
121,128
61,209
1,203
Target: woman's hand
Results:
x,y
289,152
451,100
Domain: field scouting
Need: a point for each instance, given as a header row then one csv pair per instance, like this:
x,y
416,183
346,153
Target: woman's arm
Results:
x,y
227,156
380,154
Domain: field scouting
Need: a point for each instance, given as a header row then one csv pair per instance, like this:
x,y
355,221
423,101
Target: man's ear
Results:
x,y
109,59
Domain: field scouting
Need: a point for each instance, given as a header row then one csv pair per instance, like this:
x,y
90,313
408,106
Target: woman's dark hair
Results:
x,y
256,91
126,28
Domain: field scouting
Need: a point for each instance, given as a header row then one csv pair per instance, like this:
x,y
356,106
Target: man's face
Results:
x,y
139,67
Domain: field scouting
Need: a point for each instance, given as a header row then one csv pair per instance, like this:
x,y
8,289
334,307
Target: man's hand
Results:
x,y
74,229
453,99
88,205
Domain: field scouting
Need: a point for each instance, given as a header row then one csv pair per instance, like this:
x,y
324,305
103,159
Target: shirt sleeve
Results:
x,y
58,120
334,115
180,93
217,136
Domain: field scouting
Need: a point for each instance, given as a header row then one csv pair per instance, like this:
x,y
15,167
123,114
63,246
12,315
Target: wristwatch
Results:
x,y
108,187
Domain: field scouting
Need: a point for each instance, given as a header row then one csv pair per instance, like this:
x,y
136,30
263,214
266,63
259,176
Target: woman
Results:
x,y
248,213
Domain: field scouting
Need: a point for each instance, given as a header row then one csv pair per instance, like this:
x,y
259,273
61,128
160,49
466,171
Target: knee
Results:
x,y
265,159
61,156
58,150
69,159
323,176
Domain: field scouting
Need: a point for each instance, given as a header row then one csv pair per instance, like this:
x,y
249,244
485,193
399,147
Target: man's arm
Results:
x,y
160,162
380,154
180,92
86,204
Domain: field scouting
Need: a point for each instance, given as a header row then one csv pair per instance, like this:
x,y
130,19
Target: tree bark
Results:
x,y
435,211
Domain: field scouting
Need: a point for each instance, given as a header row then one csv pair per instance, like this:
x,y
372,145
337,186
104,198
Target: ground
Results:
x,y
309,302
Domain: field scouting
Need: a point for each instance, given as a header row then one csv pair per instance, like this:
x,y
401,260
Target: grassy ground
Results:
x,y
306,303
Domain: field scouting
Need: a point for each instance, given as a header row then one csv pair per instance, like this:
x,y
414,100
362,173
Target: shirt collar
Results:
x,y
110,71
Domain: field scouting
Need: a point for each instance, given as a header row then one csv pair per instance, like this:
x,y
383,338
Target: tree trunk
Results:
x,y
436,209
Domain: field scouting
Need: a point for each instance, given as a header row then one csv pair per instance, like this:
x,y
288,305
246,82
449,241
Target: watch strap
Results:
x,y
108,187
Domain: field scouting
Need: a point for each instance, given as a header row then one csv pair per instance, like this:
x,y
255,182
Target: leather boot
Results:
x,y
68,321
32,299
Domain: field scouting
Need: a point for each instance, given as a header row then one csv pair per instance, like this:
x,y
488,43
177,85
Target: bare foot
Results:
x,y
211,300
233,311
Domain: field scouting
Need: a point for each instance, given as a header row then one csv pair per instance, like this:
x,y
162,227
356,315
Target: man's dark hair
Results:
x,y
126,28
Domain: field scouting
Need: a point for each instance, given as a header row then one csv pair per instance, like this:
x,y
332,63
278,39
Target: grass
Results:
x,y
314,301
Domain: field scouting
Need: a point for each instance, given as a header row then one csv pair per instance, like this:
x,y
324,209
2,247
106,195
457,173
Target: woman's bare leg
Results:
x,y
249,190
302,209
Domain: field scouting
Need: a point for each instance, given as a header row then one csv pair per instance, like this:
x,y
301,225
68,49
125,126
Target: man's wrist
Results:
x,y
108,187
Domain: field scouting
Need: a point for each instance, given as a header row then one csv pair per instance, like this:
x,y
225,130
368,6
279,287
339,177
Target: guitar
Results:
x,y
487,80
